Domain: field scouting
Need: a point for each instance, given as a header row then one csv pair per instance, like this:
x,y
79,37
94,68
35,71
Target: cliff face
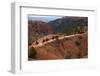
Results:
x,y
38,29
66,48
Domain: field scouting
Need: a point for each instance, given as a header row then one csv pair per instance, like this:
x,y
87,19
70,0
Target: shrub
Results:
x,y
68,56
77,42
32,53
79,55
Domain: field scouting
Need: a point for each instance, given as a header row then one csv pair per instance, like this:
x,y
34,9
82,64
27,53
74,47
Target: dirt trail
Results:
x,y
51,40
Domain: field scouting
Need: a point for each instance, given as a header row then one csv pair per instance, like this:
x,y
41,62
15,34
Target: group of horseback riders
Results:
x,y
47,39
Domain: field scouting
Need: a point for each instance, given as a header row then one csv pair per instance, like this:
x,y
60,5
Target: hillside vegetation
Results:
x,y
67,48
63,38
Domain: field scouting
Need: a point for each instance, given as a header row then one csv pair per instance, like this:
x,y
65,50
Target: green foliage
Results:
x,y
33,53
70,30
73,30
